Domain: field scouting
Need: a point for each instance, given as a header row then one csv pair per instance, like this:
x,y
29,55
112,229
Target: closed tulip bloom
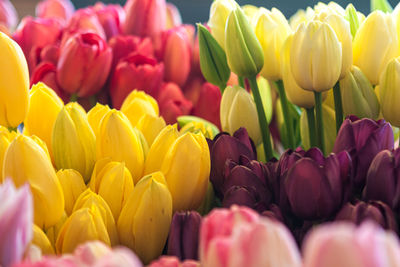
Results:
x,y
86,76
186,175
174,18
60,9
5,139
16,219
219,13
111,18
173,104
208,104
52,232
345,245
145,18
73,186
84,20
95,115
46,72
272,29
375,44
233,117
301,16
8,15
41,240
137,104
145,219
15,83
26,162
197,126
170,261
150,126
316,56
388,92
73,141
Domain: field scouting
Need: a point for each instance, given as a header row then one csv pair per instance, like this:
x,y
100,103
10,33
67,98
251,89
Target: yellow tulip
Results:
x,y
118,141
196,127
74,143
330,8
375,44
5,140
301,16
14,77
219,13
114,183
186,173
25,161
316,56
73,186
52,233
95,115
272,29
137,104
91,200
145,219
150,126
40,239
250,11
238,109
44,106
389,93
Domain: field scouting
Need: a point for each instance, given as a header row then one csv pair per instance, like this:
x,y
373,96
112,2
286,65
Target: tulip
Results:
x,y
73,185
86,76
375,44
208,104
186,175
60,9
316,56
40,240
173,103
145,219
15,76
92,201
345,245
272,29
170,261
111,18
358,96
95,115
301,16
374,210
5,139
114,183
15,222
354,17
8,15
219,13
198,126
389,81
73,141
25,161
363,139
174,18
243,51
84,21
150,126
46,73
135,72
43,103
145,18
137,104
183,238
118,141
52,233
233,117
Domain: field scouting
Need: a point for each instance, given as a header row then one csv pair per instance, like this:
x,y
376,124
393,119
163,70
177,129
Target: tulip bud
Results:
x,y
250,11
87,75
114,183
73,186
95,115
272,29
5,140
301,16
120,142
14,76
111,18
353,19
375,44
168,154
150,126
46,72
173,103
316,56
388,92
25,161
170,261
137,104
358,96
60,9
74,143
174,18
243,50
52,233
8,15
84,20
145,219
15,222
41,240
196,127
233,117
219,13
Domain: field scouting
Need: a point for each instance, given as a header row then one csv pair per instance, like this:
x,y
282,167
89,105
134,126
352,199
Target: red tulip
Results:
x,y
59,9
208,104
84,20
136,72
84,64
145,17
49,53
193,88
111,17
173,103
8,14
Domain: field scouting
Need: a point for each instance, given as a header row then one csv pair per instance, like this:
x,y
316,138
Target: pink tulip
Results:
x,y
16,220
136,72
170,261
49,53
145,17
59,9
84,20
174,18
346,245
111,18
208,104
8,14
46,72
173,103
66,261
84,64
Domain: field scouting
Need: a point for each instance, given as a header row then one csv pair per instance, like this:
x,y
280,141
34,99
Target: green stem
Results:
x,y
286,114
311,126
338,106
12,129
320,123
241,82
73,98
262,119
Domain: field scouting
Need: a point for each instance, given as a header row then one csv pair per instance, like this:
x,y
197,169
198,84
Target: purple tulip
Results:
x,y
184,235
373,210
16,220
383,178
363,139
274,212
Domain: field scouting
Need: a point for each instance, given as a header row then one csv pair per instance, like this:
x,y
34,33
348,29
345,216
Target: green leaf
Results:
x,y
352,17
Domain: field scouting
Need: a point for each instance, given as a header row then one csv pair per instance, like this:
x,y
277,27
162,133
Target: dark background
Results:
x,y
193,11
